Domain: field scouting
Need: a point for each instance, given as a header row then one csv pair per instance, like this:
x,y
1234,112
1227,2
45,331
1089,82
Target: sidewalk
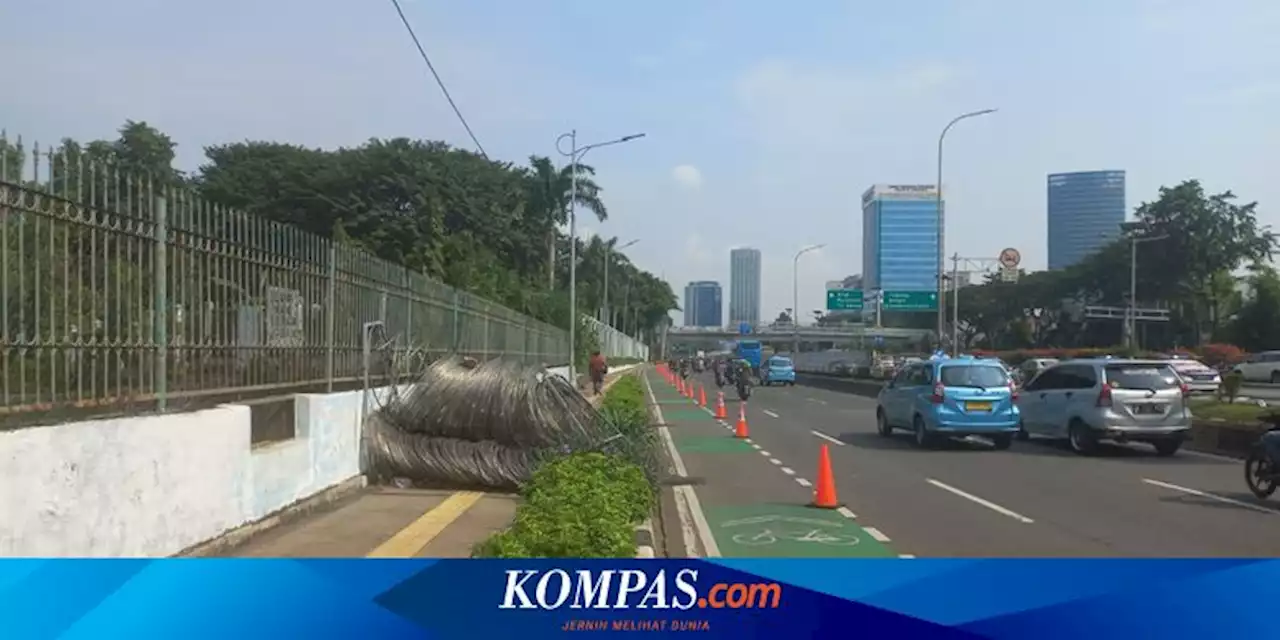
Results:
x,y
387,522
740,502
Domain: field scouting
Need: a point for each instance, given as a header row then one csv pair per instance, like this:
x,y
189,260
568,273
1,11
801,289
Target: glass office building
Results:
x,y
1085,210
900,238
703,305
744,287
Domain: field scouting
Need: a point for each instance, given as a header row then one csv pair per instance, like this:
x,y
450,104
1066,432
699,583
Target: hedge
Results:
x,y
586,505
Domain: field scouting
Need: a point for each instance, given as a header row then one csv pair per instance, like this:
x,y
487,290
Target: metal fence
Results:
x,y
616,344
122,293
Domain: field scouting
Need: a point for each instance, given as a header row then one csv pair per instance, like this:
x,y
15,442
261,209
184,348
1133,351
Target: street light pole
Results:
x,y
942,224
795,295
608,257
1131,309
575,155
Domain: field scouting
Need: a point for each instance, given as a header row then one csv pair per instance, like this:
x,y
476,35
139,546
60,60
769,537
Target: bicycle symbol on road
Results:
x,y
797,530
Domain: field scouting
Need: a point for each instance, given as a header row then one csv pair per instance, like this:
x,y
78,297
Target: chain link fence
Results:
x,y
124,293
616,344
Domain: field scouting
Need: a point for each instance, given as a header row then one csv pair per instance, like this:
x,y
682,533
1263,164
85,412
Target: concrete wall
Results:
x,y
155,485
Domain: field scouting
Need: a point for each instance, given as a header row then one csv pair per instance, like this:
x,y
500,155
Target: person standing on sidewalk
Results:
x,y
597,368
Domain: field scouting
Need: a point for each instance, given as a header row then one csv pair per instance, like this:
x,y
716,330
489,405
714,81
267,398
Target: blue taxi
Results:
x,y
778,370
950,397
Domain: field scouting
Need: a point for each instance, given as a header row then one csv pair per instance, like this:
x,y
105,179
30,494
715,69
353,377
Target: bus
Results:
x,y
751,351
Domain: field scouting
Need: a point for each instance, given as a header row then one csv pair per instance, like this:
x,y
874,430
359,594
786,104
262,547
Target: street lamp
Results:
x,y
942,224
608,257
575,154
795,293
1130,230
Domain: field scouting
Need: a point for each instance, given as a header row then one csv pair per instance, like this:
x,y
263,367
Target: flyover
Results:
x,y
814,337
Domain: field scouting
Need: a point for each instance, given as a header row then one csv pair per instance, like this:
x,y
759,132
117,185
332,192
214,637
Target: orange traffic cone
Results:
x,y
740,431
679,386
824,495
702,396
720,411
688,391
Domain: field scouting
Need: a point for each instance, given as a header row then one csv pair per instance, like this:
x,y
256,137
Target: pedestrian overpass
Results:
x,y
812,338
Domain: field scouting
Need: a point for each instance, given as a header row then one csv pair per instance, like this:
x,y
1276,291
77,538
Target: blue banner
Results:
x,y
474,599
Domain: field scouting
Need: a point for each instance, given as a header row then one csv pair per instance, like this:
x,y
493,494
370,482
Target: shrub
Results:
x,y
1217,355
1230,387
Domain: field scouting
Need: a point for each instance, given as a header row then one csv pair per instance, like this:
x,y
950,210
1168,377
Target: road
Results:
x,y
1262,391
1034,500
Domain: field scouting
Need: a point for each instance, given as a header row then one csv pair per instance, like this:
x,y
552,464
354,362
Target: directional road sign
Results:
x,y
844,299
910,300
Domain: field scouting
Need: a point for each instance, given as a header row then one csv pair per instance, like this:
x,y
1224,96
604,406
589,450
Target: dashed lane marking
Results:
x,y
1211,496
981,501
828,438
775,461
770,413
804,483
877,534
844,511
789,471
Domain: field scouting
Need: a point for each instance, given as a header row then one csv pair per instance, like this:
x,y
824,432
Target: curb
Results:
x,y
241,535
645,540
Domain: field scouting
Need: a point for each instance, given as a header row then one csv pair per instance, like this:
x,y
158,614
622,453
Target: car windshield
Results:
x,y
1147,377
981,376
781,362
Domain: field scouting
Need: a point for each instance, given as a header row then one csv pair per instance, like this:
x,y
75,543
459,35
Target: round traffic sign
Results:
x,y
1010,257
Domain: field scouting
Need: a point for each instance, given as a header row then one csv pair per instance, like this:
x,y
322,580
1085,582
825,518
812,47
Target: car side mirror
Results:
x,y
889,384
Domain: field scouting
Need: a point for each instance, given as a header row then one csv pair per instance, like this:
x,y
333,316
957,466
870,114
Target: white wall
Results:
x,y
156,485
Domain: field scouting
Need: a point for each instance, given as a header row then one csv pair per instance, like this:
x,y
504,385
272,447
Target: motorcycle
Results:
x,y
744,388
1260,474
684,369
720,375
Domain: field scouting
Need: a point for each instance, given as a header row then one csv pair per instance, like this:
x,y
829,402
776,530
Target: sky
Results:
x,y
764,121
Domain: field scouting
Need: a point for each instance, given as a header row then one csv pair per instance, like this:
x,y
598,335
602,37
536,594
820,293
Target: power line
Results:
x,y
427,59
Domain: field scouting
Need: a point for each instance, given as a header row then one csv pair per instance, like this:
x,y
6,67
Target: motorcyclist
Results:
x,y
1271,443
684,367
720,368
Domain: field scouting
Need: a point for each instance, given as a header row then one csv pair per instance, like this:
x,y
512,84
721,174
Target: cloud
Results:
x,y
687,176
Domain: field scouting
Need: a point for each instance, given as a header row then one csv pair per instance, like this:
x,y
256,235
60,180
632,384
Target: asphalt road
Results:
x,y
1035,500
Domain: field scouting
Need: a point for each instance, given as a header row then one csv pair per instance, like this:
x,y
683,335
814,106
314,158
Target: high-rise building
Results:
x,y
744,286
900,238
703,304
1085,210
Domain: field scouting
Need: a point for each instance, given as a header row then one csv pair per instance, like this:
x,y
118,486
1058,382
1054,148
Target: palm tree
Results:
x,y
549,194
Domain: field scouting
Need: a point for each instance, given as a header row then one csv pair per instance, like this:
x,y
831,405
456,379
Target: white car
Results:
x,y
883,369
1260,367
1199,377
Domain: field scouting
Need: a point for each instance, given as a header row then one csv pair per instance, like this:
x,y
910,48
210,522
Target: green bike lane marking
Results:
x,y
790,531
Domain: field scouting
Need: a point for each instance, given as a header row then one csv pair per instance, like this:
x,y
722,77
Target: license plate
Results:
x,y
977,406
1147,409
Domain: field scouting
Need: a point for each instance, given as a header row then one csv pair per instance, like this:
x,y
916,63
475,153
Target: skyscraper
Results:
x,y
1085,210
900,238
744,286
703,304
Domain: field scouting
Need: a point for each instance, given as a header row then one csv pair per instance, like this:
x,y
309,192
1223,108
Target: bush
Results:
x,y
586,505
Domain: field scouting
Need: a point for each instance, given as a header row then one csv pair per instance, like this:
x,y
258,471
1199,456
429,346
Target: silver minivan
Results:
x,y
1086,401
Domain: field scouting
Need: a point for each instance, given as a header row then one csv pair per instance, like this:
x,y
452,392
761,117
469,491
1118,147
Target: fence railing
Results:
x,y
616,344
124,293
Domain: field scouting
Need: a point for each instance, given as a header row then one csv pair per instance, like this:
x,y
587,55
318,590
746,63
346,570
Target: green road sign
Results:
x,y
844,299
910,300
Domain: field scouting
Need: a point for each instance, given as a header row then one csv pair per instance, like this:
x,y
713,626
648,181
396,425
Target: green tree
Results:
x,y
1257,326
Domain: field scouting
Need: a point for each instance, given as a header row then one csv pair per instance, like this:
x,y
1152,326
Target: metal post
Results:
x,y
457,330
795,305
329,331
573,255
942,223
604,298
1133,293
160,326
955,304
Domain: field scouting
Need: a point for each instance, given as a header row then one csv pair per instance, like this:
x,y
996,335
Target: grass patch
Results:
x,y
586,505
1242,412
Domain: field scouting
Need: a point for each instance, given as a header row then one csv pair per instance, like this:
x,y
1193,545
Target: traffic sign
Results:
x,y
1010,258
744,328
909,300
1008,274
844,299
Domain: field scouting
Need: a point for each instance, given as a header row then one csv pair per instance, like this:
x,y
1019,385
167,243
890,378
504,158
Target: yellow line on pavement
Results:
x,y
411,540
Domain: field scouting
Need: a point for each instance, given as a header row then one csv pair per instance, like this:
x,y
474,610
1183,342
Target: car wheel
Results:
x,y
1022,432
923,439
1081,438
1166,448
882,424
1275,377
1002,441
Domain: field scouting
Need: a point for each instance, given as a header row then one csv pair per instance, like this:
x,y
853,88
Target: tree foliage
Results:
x,y
1194,241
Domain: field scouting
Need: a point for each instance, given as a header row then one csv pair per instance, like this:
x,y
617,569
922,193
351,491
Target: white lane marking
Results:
x,y
789,471
754,446
875,533
765,453
693,522
986,503
748,441
770,413
828,438
816,400
906,556
844,511
775,461
804,483
1211,496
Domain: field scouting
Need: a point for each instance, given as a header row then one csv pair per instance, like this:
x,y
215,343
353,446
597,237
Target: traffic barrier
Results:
x,y
740,431
824,494
721,413
702,396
